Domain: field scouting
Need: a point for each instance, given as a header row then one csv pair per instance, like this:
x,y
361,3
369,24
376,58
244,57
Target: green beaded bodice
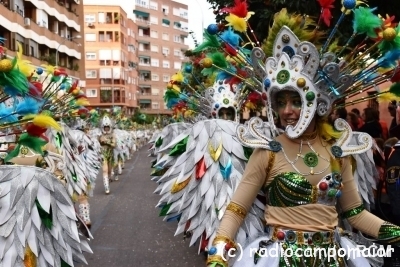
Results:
x,y
290,189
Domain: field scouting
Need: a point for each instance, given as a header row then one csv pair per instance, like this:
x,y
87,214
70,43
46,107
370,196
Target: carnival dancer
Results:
x,y
36,205
199,169
306,173
108,142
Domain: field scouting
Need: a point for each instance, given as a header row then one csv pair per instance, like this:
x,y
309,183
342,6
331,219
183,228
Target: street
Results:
x,y
126,227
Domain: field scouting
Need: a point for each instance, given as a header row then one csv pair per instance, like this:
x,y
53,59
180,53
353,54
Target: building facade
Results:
x,y
110,59
49,32
162,27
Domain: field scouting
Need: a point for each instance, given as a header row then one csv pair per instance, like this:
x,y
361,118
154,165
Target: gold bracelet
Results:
x,y
237,209
224,239
218,259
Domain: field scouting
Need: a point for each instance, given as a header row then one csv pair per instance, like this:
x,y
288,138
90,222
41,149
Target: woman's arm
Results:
x,y
360,218
244,196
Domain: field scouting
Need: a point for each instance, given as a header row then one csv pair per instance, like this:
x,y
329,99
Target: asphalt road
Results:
x,y
126,227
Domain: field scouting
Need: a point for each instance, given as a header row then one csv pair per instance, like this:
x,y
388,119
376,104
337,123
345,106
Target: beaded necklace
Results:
x,y
310,159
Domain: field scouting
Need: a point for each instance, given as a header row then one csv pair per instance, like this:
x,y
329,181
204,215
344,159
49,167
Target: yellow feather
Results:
x,y
327,131
387,97
178,77
303,27
45,121
335,165
82,102
29,258
23,65
237,23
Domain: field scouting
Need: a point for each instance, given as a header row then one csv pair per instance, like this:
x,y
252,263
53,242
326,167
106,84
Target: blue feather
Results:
x,y
223,75
28,106
230,37
11,91
227,170
389,59
7,115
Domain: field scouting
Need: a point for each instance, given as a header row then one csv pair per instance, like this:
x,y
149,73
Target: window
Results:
x,y
154,77
176,12
91,74
177,65
153,20
165,36
154,62
154,48
155,105
165,64
166,78
154,34
153,5
155,91
90,18
165,9
144,61
165,51
92,92
184,14
177,39
91,55
102,17
177,52
90,37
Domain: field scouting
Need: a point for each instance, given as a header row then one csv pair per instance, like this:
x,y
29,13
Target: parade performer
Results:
x,y
37,209
108,142
313,172
89,150
200,168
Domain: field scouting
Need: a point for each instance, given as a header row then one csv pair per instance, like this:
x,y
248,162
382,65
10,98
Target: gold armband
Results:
x,y
237,209
216,259
225,240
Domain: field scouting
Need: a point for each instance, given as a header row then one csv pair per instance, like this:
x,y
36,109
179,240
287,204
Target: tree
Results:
x,y
265,10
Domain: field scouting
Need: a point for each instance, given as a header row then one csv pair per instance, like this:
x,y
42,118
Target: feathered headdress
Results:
x,y
298,56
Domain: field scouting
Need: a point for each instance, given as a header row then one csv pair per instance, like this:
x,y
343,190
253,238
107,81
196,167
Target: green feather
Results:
x,y
170,94
64,264
365,22
210,41
219,59
13,153
395,89
164,210
386,46
33,142
44,216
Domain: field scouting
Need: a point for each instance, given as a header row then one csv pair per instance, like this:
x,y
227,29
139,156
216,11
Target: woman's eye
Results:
x,y
297,103
281,103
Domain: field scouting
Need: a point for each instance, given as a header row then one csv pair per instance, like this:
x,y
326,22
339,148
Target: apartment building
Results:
x,y
162,27
48,30
110,59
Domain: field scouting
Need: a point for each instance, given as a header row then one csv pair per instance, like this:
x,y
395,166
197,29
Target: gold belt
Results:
x,y
302,237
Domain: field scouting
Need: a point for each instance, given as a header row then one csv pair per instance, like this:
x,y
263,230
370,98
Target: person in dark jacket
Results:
x,y
371,126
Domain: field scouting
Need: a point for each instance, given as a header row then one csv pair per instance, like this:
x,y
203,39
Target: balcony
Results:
x,y
106,97
143,38
143,24
58,9
41,31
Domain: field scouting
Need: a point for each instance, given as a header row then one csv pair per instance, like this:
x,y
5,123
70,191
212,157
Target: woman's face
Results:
x,y
226,114
288,107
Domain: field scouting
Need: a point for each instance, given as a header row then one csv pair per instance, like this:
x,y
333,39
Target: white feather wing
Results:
x,y
202,180
37,213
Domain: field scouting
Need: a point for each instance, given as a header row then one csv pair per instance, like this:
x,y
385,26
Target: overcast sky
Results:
x,y
200,12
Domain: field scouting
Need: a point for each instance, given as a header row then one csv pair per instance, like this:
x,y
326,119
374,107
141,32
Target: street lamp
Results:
x,y
65,39
202,18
